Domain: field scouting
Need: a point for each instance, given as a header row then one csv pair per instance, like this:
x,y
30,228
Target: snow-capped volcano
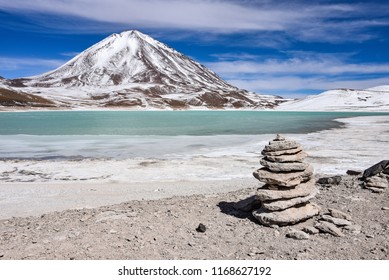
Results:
x,y
134,70
131,57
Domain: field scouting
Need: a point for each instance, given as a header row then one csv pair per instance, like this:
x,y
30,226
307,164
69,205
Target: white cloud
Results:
x,y
205,14
288,84
310,22
298,87
70,54
12,63
306,72
295,66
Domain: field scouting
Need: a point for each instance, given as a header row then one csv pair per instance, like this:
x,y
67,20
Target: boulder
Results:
x,y
286,179
288,216
382,166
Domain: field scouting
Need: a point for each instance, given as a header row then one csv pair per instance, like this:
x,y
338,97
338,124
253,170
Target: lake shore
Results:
x,y
31,187
156,217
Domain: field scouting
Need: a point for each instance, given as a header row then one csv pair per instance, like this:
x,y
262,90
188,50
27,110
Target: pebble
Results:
x,y
1,255
376,182
85,218
329,228
353,172
339,214
311,230
353,228
201,228
297,234
335,180
375,190
255,252
369,236
385,208
336,221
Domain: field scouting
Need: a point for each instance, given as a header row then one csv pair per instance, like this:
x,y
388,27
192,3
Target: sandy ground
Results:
x,y
166,229
157,219
26,199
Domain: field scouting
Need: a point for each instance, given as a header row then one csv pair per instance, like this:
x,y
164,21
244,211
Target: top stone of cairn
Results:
x,y
280,144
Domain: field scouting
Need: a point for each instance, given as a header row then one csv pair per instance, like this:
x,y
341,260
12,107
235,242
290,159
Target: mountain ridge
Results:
x,y
344,99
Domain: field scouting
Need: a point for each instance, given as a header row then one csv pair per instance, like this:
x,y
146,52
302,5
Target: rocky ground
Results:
x,y
166,229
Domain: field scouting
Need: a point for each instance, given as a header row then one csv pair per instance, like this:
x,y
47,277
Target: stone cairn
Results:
x,y
289,184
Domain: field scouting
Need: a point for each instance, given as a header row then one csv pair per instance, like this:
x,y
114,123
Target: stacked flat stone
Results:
x,y
289,184
377,183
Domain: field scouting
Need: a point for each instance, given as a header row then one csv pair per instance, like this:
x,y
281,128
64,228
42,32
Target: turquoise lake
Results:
x,y
164,134
170,123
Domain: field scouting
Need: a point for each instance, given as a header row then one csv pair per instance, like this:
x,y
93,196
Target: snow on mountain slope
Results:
x,y
130,57
132,69
374,99
380,88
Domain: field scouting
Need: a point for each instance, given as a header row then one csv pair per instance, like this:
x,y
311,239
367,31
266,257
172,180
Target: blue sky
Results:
x,y
289,48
